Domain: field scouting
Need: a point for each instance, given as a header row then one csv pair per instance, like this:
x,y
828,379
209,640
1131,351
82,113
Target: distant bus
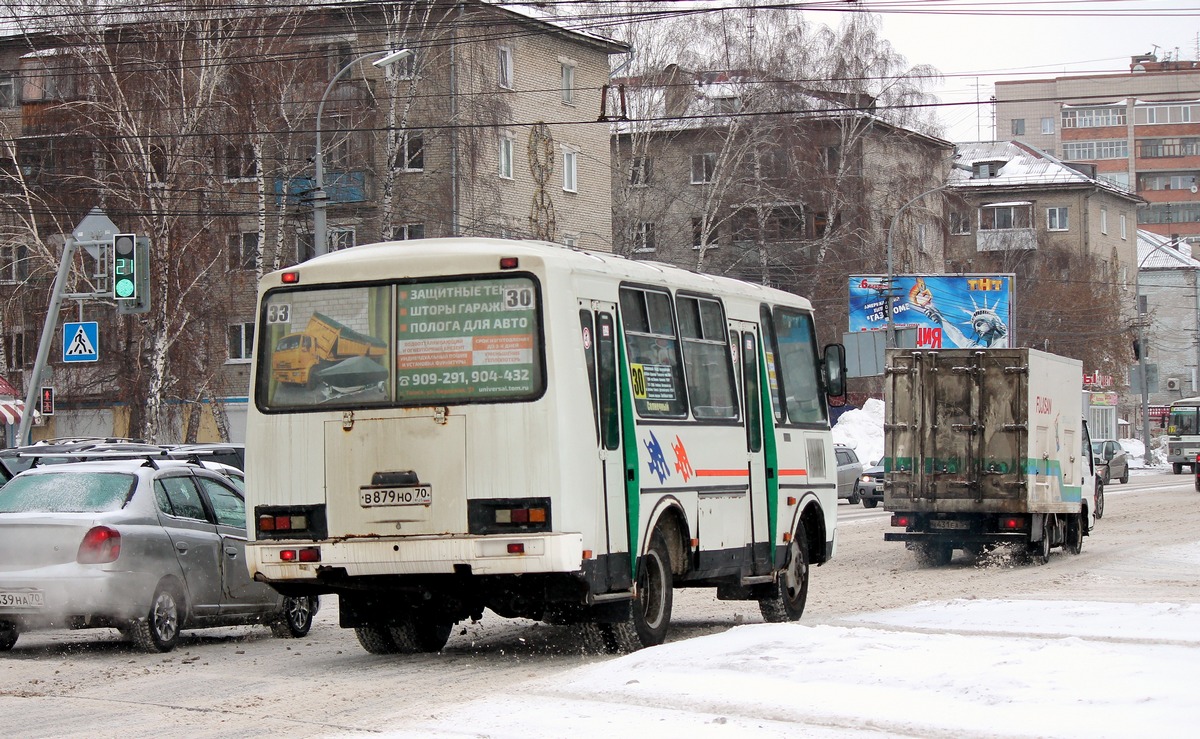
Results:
x,y
550,434
1183,434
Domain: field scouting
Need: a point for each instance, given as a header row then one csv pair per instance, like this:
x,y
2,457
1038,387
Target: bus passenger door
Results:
x,y
744,337
599,327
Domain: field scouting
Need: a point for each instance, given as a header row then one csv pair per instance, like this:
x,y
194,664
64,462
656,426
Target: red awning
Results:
x,y
10,411
6,388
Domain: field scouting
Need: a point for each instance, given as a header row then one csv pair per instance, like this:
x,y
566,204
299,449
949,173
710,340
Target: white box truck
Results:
x,y
985,447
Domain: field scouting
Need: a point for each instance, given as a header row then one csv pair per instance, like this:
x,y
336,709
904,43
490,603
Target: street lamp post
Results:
x,y
1147,456
319,198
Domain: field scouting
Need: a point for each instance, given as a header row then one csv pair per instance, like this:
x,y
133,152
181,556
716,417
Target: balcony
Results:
x,y
1005,239
340,187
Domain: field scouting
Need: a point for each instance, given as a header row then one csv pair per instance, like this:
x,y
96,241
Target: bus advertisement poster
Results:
x,y
948,311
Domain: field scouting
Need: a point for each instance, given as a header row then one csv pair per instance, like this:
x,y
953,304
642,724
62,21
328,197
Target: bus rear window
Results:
x,y
427,343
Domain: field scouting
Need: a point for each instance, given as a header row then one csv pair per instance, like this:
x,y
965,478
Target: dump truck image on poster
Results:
x,y
299,357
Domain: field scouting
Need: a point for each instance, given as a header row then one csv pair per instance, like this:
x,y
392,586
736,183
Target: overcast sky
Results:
x,y
982,41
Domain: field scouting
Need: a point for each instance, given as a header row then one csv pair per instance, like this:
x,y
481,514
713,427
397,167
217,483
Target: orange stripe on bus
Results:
x,y
793,473
722,473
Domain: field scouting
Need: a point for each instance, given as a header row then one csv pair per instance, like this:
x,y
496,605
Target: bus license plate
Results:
x,y
403,495
21,599
948,524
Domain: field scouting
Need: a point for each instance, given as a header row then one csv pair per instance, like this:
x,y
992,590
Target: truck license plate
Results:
x,y
370,497
947,524
21,599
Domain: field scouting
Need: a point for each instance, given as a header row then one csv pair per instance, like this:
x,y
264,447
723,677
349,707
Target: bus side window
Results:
x,y
771,349
655,368
706,358
750,390
588,341
606,345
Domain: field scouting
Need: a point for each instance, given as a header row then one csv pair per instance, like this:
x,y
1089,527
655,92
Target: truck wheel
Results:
x,y
934,554
1075,526
789,594
1039,551
1176,469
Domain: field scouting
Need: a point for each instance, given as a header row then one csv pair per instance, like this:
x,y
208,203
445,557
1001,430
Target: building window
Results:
x,y
784,224
1160,213
412,152
13,264
14,350
337,55
506,157
1159,114
8,91
304,247
408,231
1120,179
1018,126
241,342
243,250
341,237
1005,216
704,167
1093,117
568,83
45,79
405,68
643,237
240,162
1056,219
505,73
831,157
1047,125
570,170
570,240
639,173
1167,148
1088,150
1124,229
1167,181
960,223
1104,220
698,232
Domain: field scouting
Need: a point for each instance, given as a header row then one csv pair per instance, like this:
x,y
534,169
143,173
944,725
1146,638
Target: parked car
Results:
x,y
869,486
149,547
848,471
1112,459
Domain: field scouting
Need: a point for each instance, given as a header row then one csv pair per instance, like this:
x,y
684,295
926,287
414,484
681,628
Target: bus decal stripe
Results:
x,y
630,448
793,473
722,473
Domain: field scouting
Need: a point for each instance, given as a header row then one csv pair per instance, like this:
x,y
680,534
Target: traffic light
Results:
x,y
47,401
139,302
125,277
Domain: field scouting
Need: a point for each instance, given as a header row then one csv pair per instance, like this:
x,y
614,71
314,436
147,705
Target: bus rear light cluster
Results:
x,y
508,515
282,523
520,515
307,554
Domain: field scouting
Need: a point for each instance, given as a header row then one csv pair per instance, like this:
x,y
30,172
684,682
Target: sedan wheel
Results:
x,y
8,636
297,618
159,631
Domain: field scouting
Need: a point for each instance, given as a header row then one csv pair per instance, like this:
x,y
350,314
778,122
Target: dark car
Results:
x,y
869,487
149,547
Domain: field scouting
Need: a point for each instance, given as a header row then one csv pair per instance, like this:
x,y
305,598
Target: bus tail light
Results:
x,y
307,554
506,515
290,522
290,278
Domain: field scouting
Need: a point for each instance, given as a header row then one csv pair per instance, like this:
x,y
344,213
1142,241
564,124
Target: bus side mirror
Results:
x,y
835,370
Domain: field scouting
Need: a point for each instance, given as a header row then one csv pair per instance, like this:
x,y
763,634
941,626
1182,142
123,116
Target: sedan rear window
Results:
x,y
67,492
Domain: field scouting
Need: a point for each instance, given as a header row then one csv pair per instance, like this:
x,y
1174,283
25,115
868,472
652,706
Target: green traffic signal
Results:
x,y
124,267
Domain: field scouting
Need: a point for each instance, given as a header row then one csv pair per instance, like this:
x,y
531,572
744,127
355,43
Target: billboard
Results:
x,y
948,311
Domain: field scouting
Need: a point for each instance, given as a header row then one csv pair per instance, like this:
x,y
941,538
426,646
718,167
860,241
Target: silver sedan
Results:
x,y
147,547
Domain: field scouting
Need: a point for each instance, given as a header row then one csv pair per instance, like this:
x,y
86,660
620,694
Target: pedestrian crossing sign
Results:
x,y
81,342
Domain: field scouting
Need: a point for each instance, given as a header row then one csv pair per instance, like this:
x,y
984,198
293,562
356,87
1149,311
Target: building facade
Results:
x,y
474,135
1170,303
1141,130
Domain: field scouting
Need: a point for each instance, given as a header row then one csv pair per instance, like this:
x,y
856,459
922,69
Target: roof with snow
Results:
x,y
1023,167
1157,252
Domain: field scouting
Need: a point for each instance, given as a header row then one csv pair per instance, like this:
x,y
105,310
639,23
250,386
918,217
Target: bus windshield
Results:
x,y
461,341
1183,420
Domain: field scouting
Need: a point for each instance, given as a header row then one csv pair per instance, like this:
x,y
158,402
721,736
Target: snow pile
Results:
x,y
862,431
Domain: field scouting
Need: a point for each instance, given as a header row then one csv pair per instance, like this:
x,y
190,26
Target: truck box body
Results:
x,y
994,431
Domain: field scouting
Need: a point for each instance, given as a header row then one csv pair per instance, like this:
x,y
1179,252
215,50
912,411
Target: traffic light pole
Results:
x,y
34,383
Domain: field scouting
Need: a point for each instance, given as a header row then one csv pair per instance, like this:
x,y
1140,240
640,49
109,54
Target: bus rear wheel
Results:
x,y
790,592
404,636
650,612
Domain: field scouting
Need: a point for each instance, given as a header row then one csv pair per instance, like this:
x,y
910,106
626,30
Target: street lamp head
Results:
x,y
392,57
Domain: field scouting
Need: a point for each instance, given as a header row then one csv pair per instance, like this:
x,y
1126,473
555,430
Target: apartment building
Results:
x,y
200,132
1140,129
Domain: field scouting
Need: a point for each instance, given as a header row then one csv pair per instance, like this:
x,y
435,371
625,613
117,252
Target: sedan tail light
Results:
x,y
100,545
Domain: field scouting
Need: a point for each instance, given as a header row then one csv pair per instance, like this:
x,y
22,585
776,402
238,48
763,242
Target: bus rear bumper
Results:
x,y
277,561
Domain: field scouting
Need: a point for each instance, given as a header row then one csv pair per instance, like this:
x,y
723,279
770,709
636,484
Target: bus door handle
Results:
x,y
770,473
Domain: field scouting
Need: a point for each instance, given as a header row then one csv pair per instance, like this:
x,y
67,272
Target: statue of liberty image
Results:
x,y
989,330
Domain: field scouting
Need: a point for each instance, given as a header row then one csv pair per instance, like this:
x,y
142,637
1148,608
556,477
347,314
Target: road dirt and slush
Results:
x,y
239,681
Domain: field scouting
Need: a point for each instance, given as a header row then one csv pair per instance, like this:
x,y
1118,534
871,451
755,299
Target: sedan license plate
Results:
x,y
370,497
948,524
21,599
